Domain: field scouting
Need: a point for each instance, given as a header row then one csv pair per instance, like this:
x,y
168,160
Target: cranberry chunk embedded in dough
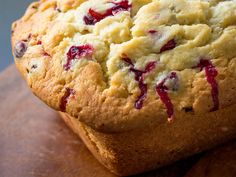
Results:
x,y
20,49
139,77
211,74
162,89
93,17
78,52
168,46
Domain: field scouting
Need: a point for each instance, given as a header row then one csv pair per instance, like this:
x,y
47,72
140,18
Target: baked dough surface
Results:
x,y
122,64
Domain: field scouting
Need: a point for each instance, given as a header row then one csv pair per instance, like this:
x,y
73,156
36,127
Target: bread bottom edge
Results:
x,y
137,151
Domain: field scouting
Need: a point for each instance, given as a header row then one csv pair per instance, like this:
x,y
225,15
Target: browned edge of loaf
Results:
x,y
140,150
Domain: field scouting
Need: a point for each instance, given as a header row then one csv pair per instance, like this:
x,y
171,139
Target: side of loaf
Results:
x,y
140,150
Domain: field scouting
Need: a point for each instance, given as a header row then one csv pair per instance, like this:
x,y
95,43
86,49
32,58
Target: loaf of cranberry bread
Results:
x,y
144,82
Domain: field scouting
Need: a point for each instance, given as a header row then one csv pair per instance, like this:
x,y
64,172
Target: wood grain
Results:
x,y
35,142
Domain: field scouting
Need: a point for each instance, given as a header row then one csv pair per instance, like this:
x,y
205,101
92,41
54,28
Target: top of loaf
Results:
x,y
121,64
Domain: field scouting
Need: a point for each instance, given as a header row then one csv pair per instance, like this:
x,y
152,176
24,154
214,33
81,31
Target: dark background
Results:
x,y
10,10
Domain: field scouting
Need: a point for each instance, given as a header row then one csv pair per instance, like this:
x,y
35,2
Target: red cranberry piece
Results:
x,y
46,54
174,82
150,66
162,91
152,31
139,77
64,100
168,46
77,52
29,37
89,20
143,88
93,17
121,6
39,43
211,74
20,49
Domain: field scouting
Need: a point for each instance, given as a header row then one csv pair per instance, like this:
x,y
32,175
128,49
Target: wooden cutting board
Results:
x,y
220,162
35,142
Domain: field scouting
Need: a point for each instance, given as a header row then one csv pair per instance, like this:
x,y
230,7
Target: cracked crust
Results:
x,y
105,90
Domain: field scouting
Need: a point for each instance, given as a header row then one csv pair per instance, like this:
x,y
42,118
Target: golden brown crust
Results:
x,y
105,90
141,150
